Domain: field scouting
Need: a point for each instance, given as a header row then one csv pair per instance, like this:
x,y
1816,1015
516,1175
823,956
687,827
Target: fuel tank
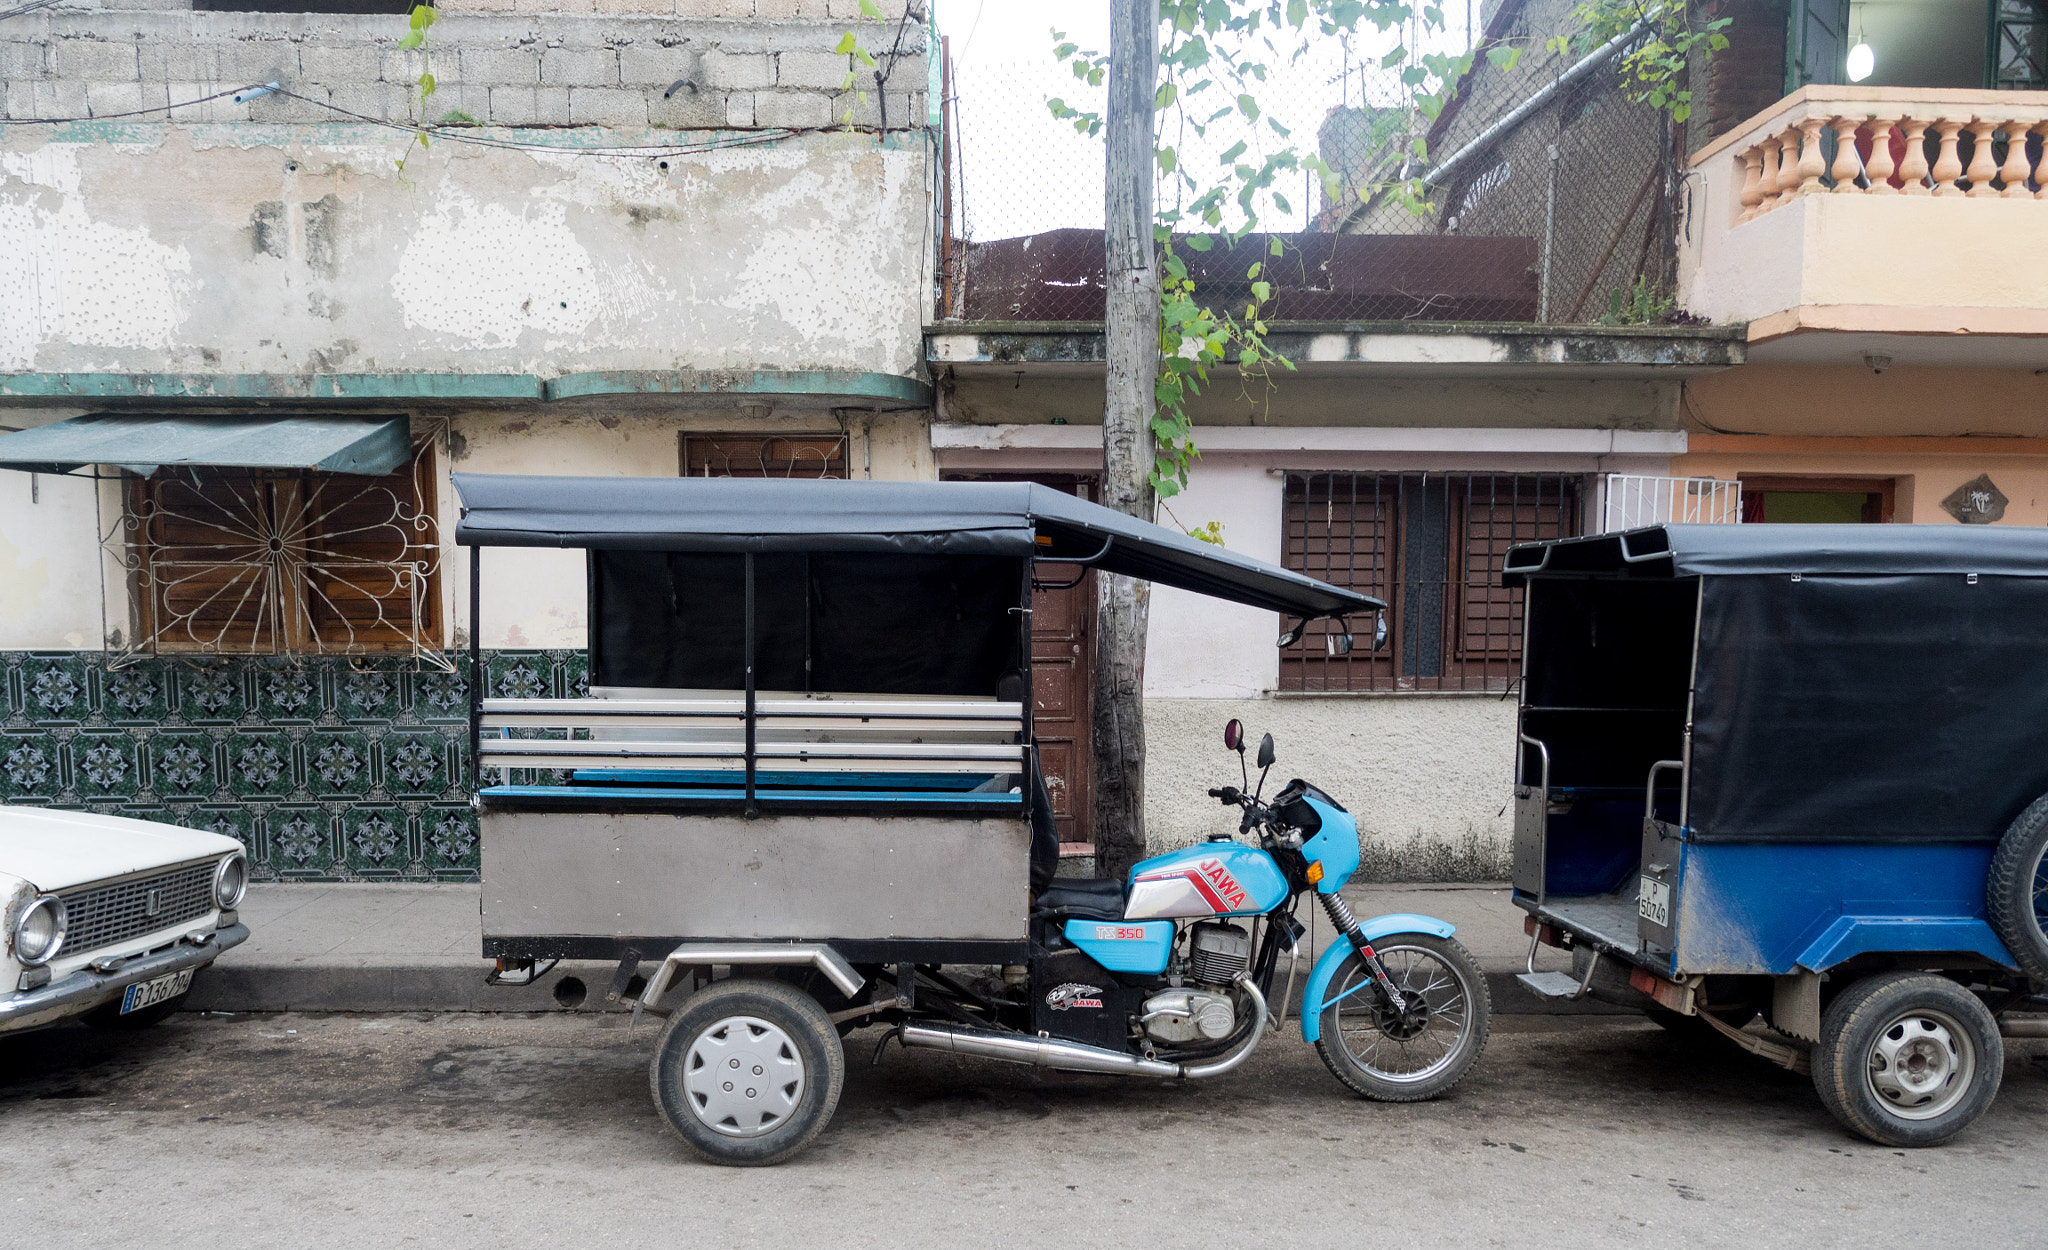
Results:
x,y
1213,879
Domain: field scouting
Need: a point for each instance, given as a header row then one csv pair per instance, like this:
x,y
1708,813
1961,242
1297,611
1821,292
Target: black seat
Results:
x,y
1082,898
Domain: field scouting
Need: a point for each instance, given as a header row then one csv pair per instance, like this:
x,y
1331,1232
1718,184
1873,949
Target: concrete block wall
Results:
x,y
694,65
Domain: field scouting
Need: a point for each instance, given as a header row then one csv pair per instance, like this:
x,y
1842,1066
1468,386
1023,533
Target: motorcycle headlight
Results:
x,y
231,880
39,931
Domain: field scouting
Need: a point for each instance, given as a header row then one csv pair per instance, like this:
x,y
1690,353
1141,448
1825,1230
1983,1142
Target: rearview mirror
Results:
x,y
1379,632
1292,636
1233,736
1266,751
1337,644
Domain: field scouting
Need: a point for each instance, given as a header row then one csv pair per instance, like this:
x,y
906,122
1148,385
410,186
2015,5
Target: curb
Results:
x,y
459,986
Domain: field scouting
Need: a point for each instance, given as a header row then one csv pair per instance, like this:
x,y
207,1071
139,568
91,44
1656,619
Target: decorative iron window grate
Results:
x,y
756,455
260,562
101,915
1431,546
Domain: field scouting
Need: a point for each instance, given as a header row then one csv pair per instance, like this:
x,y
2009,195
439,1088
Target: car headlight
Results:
x,y
39,931
231,880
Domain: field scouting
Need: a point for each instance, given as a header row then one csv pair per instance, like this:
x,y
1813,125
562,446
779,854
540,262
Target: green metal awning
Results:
x,y
145,442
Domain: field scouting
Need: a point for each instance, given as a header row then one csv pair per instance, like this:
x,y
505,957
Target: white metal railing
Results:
x,y
1633,501
709,733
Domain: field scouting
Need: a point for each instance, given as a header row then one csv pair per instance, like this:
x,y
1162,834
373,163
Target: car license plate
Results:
x,y
1653,902
150,993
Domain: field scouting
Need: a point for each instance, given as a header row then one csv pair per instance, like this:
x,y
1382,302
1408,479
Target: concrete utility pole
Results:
x,y
1132,352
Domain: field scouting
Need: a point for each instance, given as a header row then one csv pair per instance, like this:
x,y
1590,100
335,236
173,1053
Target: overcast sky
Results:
x,y
1025,172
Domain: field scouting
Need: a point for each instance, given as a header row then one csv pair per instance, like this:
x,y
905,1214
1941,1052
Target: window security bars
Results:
x,y
1431,545
1633,501
754,455
294,564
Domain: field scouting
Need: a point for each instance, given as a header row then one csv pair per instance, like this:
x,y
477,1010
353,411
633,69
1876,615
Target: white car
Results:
x,y
109,918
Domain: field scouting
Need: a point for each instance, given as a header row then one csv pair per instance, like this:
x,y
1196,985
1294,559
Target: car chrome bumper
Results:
x,y
86,989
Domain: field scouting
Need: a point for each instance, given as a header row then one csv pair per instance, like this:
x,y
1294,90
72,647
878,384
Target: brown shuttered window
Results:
x,y
1431,546
243,561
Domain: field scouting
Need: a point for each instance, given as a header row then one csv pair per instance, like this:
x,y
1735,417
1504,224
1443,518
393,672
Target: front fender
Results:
x,y
1376,929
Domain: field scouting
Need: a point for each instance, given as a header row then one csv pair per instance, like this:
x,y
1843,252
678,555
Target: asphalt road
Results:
x,y
502,1131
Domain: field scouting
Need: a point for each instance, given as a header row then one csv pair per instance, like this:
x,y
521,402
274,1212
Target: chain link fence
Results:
x,y
1550,194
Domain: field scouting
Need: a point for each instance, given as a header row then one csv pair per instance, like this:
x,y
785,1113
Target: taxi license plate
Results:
x,y
1653,902
150,993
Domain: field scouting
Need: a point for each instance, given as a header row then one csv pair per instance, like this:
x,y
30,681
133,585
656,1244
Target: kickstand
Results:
x,y
896,1033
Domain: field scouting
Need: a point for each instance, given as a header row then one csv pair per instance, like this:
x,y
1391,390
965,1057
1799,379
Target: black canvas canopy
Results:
x,y
1695,550
1008,519
1847,683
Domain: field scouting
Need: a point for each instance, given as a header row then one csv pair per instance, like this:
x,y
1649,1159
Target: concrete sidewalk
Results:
x,y
414,948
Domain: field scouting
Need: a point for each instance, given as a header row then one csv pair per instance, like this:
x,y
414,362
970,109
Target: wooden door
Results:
x,y
1063,680
1063,700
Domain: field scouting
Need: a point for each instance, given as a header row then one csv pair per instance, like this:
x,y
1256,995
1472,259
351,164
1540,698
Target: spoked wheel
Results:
x,y
1419,1054
1908,1059
748,1072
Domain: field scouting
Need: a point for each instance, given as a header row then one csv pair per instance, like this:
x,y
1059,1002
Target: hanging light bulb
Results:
x,y
1862,62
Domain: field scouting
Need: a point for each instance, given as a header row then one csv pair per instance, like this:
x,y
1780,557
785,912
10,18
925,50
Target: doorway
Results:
x,y
1063,678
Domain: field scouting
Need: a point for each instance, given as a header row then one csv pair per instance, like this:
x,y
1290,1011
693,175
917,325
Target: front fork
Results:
x,y
1347,924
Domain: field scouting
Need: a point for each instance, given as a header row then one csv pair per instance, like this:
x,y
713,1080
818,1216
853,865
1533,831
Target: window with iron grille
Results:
x,y
756,455
1431,546
264,562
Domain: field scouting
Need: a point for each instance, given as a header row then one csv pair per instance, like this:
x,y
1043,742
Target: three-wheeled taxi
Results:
x,y
1797,772
804,787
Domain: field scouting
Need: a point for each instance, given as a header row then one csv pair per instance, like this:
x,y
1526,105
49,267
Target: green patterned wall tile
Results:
x,y
519,675
288,695
105,765
439,696
575,666
375,841
181,765
298,843
416,765
448,841
139,694
28,766
367,695
211,693
228,820
55,689
337,764
259,764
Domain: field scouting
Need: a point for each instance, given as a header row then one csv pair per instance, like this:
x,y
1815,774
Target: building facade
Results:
x,y
275,322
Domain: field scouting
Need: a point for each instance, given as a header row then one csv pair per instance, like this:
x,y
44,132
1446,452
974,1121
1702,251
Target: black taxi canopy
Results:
x,y
909,518
1843,683
1821,550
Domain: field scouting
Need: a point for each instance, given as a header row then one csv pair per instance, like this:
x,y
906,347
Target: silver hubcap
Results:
x,y
1382,1044
1921,1065
743,1077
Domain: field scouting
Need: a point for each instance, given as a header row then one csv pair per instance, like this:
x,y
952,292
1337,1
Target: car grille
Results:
x,y
101,915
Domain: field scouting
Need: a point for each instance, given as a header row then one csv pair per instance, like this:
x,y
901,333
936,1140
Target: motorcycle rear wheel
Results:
x,y
1376,1054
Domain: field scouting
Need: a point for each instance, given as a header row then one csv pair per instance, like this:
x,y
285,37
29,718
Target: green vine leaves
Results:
x,y
1215,56
1654,70
423,16
857,58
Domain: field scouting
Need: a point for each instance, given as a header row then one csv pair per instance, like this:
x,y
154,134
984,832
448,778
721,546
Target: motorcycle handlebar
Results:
x,y
1227,794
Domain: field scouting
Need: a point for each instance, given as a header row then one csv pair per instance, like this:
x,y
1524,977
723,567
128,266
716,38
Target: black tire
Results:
x,y
1907,1058
108,1015
750,1025
2017,891
1354,1028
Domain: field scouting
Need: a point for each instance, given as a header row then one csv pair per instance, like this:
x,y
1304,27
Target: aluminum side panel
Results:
x,y
557,874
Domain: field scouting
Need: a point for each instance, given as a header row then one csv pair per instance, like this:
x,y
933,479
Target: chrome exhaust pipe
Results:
x,y
2033,1027
1046,1052
1039,1052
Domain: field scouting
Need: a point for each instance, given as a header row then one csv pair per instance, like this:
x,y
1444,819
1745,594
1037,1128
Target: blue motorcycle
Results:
x,y
1169,973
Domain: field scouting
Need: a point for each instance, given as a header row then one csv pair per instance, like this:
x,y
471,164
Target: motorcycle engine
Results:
x,y
1203,1012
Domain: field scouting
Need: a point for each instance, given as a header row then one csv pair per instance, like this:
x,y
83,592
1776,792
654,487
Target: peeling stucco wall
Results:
x,y
272,250
685,208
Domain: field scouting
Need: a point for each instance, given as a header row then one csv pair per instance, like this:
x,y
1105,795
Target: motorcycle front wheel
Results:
x,y
1392,1058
